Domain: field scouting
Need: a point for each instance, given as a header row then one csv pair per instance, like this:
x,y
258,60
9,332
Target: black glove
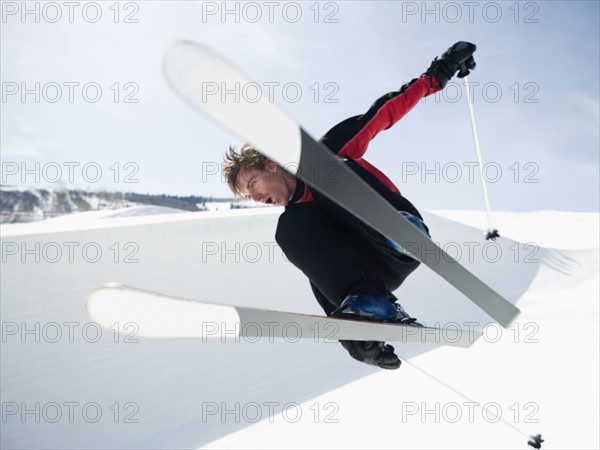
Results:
x,y
373,352
458,60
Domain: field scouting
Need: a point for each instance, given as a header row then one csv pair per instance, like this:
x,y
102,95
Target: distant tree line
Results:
x,y
26,205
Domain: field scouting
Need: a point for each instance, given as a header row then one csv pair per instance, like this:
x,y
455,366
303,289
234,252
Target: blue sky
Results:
x,y
536,101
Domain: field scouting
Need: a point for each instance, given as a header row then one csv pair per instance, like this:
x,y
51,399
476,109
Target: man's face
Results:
x,y
272,185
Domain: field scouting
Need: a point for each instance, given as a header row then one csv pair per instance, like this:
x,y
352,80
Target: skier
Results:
x,y
352,269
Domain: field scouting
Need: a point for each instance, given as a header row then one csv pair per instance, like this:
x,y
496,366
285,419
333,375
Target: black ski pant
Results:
x,y
339,253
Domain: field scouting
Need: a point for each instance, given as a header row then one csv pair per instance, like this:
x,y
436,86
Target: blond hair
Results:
x,y
247,158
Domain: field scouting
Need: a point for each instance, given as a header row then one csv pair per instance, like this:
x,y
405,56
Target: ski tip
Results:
x,y
181,51
508,320
109,285
178,45
98,290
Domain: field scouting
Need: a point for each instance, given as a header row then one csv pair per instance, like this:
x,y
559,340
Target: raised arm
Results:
x,y
352,136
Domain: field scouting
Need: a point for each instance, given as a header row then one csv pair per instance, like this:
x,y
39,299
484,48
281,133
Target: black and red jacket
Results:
x,y
340,254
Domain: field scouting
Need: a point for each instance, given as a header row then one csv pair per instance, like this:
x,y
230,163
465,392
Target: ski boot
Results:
x,y
367,306
458,58
373,307
403,318
374,353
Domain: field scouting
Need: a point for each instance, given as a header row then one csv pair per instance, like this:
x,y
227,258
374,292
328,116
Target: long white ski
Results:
x,y
136,312
194,72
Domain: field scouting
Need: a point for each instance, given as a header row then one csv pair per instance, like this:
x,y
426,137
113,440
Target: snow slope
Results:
x,y
65,387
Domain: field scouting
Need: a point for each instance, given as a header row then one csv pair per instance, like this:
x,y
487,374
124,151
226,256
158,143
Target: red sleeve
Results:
x,y
388,114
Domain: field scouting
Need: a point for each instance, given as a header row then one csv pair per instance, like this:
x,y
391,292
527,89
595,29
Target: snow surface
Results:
x,y
539,376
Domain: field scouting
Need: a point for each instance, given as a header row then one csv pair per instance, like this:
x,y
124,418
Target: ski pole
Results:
x,y
491,233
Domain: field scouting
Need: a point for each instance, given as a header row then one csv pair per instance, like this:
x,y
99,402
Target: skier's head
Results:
x,y
251,174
